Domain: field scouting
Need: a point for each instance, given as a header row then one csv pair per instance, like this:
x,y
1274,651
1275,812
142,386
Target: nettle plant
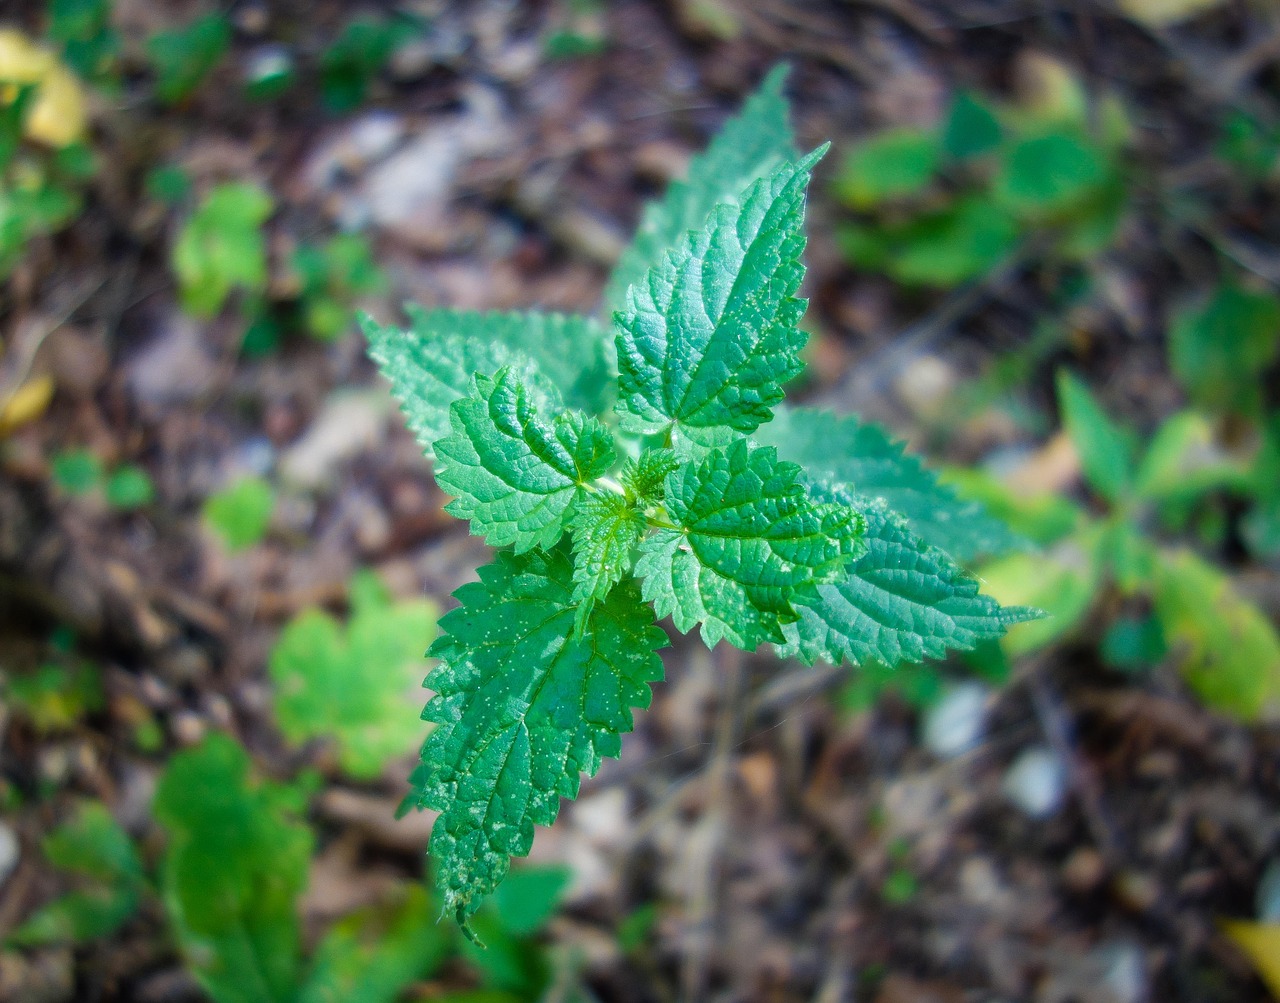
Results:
x,y
648,472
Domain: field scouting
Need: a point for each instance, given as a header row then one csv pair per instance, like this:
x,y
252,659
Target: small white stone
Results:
x,y
1124,971
267,62
1037,782
955,723
9,852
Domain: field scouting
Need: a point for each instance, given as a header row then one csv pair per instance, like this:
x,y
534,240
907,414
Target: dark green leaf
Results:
x,y
709,335
522,708
748,543
516,476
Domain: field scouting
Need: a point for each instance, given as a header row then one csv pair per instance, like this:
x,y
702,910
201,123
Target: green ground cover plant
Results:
x,y
943,205
647,468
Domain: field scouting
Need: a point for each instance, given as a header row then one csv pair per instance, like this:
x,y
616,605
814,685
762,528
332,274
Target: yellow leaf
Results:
x,y
1161,13
57,115
1261,942
26,404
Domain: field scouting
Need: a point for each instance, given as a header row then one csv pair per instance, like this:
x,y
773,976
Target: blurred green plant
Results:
x,y
57,695
80,473
221,247
240,514
349,66
349,684
183,58
1225,648
83,31
41,188
332,277
92,848
943,205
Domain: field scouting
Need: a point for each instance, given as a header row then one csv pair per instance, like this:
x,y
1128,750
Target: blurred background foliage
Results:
x,y
1043,251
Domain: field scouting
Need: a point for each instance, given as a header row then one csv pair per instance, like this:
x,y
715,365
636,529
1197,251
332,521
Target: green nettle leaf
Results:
x,y
1106,450
430,365
901,601
843,449
236,863
748,544
348,684
746,148
606,530
710,334
523,706
516,476
646,476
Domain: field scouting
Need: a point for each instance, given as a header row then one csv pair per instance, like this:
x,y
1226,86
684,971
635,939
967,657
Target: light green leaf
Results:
x,y
901,601
1106,449
522,708
1229,649
1049,175
129,487
516,476
1063,582
606,530
373,955
709,335
944,248
241,513
748,543
747,148
92,846
844,449
1184,460
890,165
351,684
1220,349
221,248
236,863
430,364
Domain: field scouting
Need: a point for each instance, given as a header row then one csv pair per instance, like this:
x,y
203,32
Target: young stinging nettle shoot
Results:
x,y
644,469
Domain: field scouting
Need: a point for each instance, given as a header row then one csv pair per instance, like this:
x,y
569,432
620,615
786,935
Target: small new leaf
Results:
x,y
645,476
522,708
606,529
748,543
515,475
709,334
843,449
901,601
748,147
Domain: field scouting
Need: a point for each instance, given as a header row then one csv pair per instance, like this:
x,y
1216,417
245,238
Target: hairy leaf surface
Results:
x,y
708,335
606,529
646,475
748,147
430,364
748,542
843,449
523,707
517,476
901,601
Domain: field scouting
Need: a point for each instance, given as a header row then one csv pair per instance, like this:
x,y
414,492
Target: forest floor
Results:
x,y
777,844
